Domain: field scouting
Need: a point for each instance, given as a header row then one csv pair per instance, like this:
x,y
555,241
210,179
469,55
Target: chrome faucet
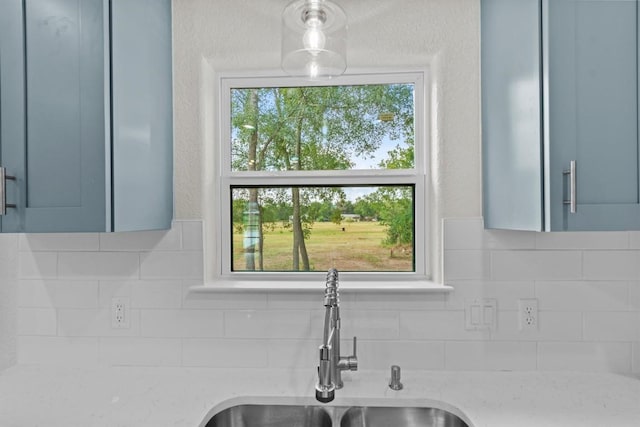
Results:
x,y
331,363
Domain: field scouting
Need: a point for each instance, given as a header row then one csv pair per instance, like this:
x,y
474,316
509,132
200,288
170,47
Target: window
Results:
x,y
315,175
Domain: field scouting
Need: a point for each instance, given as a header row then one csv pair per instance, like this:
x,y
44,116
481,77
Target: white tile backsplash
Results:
x,y
490,356
536,265
98,265
585,356
140,351
181,323
169,240
583,295
225,353
587,286
612,265
59,242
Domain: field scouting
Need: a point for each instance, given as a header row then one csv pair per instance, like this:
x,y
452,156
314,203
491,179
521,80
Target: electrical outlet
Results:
x,y
528,314
120,313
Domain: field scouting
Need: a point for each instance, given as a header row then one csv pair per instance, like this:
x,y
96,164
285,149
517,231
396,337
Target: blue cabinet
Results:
x,y
560,89
86,115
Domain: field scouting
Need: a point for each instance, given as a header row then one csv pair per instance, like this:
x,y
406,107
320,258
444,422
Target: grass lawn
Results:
x,y
350,246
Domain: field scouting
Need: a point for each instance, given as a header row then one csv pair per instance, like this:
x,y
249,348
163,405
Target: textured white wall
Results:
x,y
245,35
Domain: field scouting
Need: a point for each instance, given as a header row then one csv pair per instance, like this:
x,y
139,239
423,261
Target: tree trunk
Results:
x,y
299,246
253,224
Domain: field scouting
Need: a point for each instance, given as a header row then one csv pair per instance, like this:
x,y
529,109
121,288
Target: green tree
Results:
x,y
313,128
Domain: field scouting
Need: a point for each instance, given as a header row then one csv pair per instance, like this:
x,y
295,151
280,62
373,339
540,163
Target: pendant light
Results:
x,y
314,39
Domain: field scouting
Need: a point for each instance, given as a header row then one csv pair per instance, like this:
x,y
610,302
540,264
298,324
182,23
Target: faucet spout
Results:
x,y
331,363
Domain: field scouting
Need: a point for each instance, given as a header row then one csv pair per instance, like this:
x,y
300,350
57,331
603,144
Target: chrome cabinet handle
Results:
x,y
3,191
572,202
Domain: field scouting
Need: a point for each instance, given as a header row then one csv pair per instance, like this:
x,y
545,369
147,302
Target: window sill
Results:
x,y
284,286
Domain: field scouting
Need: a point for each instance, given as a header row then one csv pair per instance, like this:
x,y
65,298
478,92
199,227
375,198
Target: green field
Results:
x,y
350,246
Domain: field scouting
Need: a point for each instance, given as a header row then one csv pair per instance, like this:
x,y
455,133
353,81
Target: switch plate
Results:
x,y
480,314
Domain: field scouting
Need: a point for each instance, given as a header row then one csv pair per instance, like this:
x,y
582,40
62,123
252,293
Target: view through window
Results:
x,y
322,176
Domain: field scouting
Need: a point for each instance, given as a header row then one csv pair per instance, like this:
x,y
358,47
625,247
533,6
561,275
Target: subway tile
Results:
x,y
38,265
507,293
490,356
64,351
399,301
611,326
552,326
98,265
222,300
36,293
415,355
58,294
509,239
192,235
268,324
224,353
611,265
8,245
181,323
582,295
584,356
9,268
76,294
154,240
372,324
290,354
37,321
175,265
140,351
536,265
583,240
94,323
466,264
109,289
634,295
634,239
437,325
156,294
298,300
58,242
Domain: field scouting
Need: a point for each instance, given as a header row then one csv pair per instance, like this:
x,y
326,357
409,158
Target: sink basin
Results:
x,y
333,416
271,416
400,417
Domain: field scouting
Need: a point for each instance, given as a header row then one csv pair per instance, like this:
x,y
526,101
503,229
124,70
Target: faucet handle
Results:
x,y
352,361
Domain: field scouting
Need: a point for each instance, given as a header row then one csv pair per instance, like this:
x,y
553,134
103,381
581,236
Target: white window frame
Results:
x,y
220,254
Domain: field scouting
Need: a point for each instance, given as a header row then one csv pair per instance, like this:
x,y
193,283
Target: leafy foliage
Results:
x,y
323,128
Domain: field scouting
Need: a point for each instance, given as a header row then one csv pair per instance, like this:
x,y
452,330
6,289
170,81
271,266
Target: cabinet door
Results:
x,y
53,114
142,114
591,112
511,115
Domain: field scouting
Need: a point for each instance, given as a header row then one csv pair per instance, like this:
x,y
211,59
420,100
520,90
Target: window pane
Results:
x,y
316,228
323,128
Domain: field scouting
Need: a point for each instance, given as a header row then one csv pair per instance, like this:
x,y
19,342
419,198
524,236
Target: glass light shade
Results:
x,y
314,39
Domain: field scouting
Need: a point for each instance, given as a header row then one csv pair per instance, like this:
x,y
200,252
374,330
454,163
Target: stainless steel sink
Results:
x,y
271,416
401,417
333,416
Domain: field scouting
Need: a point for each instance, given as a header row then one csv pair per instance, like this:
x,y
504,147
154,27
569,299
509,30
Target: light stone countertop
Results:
x,y
185,397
